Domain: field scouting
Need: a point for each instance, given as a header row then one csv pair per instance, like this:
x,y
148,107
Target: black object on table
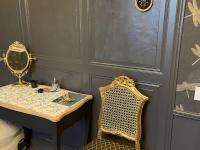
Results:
x,y
34,83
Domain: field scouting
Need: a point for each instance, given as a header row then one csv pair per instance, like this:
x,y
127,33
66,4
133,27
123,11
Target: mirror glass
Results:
x,y
17,60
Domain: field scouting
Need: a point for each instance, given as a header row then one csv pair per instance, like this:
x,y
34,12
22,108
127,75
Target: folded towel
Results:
x,y
10,135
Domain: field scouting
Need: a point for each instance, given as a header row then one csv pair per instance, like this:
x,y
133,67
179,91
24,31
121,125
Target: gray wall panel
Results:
x,y
185,134
119,30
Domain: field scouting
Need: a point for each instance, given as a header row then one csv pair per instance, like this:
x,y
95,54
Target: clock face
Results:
x,y
144,5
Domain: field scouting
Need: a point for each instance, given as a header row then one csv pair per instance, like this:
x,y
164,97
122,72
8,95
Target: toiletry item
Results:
x,y
34,83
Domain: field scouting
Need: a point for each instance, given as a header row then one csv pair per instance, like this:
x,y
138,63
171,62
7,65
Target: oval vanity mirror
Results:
x,y
18,60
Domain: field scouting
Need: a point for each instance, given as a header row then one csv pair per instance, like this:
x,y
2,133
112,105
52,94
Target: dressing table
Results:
x,y
45,112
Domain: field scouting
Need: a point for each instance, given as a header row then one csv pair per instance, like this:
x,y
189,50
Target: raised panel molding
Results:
x,y
110,65
10,23
185,133
58,62
56,32
114,30
146,76
10,31
69,79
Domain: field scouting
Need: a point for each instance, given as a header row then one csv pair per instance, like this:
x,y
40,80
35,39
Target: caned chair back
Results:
x,y
121,109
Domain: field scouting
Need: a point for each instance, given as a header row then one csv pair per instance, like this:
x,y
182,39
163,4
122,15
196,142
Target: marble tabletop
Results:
x,y
46,105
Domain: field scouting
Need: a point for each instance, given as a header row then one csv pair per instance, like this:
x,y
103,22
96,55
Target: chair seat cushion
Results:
x,y
110,144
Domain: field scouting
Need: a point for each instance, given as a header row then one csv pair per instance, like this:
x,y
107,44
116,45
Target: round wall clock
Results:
x,y
143,5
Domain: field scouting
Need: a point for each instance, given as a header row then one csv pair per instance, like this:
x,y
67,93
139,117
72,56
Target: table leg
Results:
x,y
26,141
89,119
56,139
27,136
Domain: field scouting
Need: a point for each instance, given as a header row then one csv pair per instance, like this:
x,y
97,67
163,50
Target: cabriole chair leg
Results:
x,y
137,145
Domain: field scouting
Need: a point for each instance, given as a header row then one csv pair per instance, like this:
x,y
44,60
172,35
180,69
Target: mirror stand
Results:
x,y
20,82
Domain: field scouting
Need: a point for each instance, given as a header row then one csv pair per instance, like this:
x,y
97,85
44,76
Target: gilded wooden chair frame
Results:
x,y
123,81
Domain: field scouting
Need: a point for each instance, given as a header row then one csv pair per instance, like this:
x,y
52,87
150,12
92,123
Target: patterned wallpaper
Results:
x,y
189,64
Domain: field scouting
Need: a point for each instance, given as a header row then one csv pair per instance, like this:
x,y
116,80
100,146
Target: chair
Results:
x,y
120,116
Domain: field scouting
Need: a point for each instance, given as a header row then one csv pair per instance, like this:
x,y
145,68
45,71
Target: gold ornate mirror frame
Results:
x,y
19,48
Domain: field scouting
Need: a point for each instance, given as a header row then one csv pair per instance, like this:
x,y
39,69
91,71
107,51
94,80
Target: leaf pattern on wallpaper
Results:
x,y
179,107
196,51
186,87
193,7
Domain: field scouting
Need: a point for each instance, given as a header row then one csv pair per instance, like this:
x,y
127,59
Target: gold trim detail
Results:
x,y
17,47
136,100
